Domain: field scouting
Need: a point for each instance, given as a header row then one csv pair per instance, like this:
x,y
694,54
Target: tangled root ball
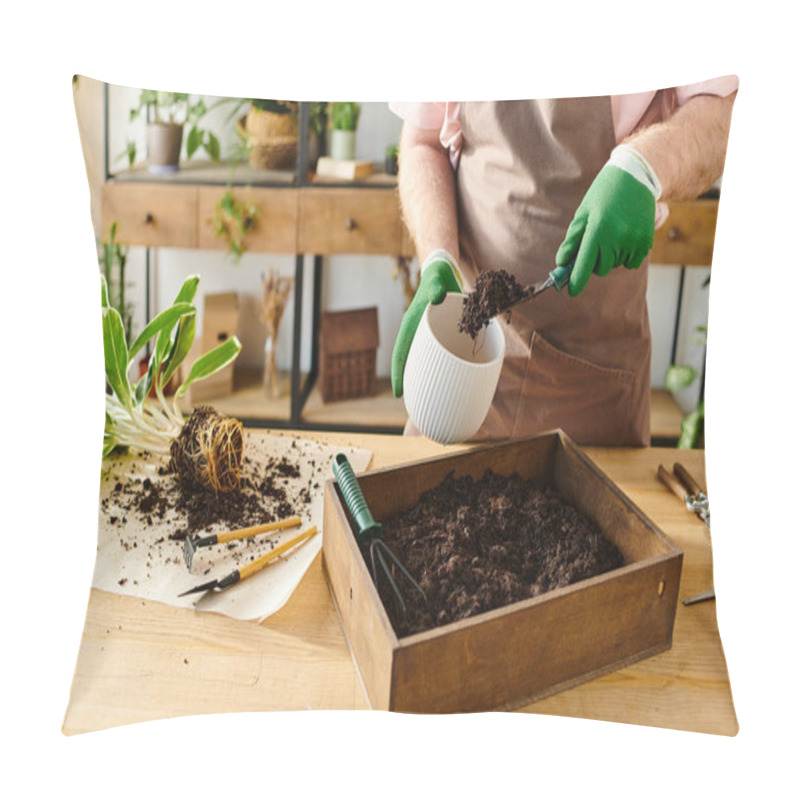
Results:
x,y
208,452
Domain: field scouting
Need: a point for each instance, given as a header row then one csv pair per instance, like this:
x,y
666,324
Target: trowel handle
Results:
x,y
560,275
368,529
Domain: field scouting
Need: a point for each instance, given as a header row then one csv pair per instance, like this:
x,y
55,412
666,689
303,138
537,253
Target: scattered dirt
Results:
x,y
478,545
262,495
494,290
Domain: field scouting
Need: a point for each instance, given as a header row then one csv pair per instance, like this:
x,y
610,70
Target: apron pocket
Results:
x,y
591,403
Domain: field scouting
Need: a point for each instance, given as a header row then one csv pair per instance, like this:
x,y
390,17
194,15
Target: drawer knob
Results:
x,y
350,224
148,220
673,234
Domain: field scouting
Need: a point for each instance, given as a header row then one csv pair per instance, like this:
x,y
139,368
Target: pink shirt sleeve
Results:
x,y
435,116
628,109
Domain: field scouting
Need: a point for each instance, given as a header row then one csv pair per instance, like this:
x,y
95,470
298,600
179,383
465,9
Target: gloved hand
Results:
x,y
439,275
615,222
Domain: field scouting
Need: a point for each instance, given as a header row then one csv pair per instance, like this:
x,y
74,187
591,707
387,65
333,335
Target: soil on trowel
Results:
x,y
494,291
478,545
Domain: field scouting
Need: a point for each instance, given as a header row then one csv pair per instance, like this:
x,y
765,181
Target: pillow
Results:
x,y
201,248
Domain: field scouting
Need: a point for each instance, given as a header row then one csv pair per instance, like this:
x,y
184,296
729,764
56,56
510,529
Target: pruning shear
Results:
x,y
682,484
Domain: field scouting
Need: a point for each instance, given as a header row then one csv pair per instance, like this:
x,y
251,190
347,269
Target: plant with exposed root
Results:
x,y
204,451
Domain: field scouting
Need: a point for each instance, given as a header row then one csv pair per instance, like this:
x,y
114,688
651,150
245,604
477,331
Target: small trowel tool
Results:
x,y
558,277
192,543
247,570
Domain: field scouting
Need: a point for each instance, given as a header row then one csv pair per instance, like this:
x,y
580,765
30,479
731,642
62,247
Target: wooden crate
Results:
x,y
508,657
347,354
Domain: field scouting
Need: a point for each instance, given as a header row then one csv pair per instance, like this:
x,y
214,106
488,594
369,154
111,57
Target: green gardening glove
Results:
x,y
615,222
439,275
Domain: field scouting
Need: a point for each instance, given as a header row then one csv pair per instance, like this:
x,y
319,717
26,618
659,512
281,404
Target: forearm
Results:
x,y
687,151
427,192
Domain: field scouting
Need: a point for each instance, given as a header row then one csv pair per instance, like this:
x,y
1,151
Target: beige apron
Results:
x,y
577,363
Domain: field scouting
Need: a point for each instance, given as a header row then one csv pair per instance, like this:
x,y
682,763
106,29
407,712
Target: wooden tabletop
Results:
x,y
142,660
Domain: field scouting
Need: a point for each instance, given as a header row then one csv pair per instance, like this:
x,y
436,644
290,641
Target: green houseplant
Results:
x,y
169,114
391,159
136,420
679,377
233,219
112,258
344,122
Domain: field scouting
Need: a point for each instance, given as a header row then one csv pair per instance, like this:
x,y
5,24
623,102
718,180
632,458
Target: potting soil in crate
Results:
x,y
475,545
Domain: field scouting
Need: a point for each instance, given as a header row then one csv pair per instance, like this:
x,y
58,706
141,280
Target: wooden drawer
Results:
x,y
687,237
275,227
151,215
349,221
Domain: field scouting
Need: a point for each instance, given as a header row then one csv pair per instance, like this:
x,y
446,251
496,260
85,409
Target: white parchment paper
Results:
x,y
137,556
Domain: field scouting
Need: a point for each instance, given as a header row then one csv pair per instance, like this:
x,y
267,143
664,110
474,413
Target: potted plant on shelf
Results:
x,y
391,159
344,122
170,113
270,130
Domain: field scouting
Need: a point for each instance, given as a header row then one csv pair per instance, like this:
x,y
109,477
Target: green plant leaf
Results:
x,y
211,362
181,345
692,428
212,146
193,141
109,437
115,353
227,201
108,447
144,383
166,339
188,290
679,377
344,116
196,110
104,292
166,319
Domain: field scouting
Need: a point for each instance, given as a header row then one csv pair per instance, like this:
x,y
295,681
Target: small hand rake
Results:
x,y
193,543
369,533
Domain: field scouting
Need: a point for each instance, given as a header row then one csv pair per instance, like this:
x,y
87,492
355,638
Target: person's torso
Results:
x,y
524,168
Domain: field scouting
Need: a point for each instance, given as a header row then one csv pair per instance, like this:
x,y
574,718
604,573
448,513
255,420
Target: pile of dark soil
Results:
x,y
478,545
494,290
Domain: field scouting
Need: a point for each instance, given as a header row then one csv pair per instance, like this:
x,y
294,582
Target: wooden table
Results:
x,y
141,660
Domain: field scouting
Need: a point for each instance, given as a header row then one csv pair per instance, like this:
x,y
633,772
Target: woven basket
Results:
x,y
271,146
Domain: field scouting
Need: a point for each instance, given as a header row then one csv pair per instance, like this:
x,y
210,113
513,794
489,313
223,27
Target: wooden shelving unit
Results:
x,y
304,216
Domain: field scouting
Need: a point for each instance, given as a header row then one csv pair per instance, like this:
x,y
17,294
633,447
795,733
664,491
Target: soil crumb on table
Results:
x,y
478,545
494,290
263,495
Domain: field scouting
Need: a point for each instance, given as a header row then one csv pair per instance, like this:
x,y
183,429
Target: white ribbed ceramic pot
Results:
x,y
449,379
